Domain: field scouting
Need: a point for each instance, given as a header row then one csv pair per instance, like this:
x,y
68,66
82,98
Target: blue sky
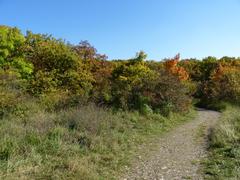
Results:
x,y
120,28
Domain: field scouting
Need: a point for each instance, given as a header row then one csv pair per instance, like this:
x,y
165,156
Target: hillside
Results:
x,y
66,111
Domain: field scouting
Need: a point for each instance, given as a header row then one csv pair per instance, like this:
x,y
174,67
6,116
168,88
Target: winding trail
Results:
x,y
179,152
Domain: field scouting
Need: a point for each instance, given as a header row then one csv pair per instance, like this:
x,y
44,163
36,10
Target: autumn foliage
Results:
x,y
224,83
173,67
71,74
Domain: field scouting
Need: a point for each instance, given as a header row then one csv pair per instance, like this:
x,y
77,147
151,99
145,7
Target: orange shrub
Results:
x,y
224,84
172,66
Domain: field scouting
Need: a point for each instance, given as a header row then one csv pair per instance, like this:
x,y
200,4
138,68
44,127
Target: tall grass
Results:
x,y
84,142
224,156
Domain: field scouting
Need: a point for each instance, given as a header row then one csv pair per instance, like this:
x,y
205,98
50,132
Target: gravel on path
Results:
x,y
179,152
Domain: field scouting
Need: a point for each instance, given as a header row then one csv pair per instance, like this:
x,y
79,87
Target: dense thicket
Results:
x,y
43,66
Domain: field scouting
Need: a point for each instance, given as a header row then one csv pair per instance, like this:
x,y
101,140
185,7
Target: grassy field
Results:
x,y
224,157
83,142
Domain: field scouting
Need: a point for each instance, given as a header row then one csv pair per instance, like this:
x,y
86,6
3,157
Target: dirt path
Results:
x,y
179,152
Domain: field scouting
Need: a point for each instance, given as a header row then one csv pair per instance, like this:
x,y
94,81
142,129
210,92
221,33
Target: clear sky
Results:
x,y
120,28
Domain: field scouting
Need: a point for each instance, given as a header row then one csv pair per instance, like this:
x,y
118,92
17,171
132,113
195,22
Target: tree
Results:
x,y
128,82
224,84
11,54
87,52
141,56
171,66
57,63
168,93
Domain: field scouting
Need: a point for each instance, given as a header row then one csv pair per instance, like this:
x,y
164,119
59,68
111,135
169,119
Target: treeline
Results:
x,y
68,112
63,75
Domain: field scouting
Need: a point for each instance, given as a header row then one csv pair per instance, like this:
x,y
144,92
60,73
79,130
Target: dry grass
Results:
x,y
224,157
87,141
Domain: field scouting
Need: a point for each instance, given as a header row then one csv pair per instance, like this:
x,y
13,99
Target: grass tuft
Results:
x,y
85,141
224,156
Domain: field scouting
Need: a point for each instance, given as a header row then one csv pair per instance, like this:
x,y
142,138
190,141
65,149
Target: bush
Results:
x,y
168,94
11,53
224,85
128,83
11,92
146,110
56,66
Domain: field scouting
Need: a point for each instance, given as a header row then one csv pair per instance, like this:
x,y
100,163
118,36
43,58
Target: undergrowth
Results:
x,y
85,142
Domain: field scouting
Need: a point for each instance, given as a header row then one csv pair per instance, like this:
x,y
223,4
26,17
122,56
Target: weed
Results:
x,y
224,156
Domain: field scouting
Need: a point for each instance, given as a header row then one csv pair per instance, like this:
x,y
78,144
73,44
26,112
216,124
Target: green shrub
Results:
x,y
11,54
128,83
11,92
56,66
146,110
